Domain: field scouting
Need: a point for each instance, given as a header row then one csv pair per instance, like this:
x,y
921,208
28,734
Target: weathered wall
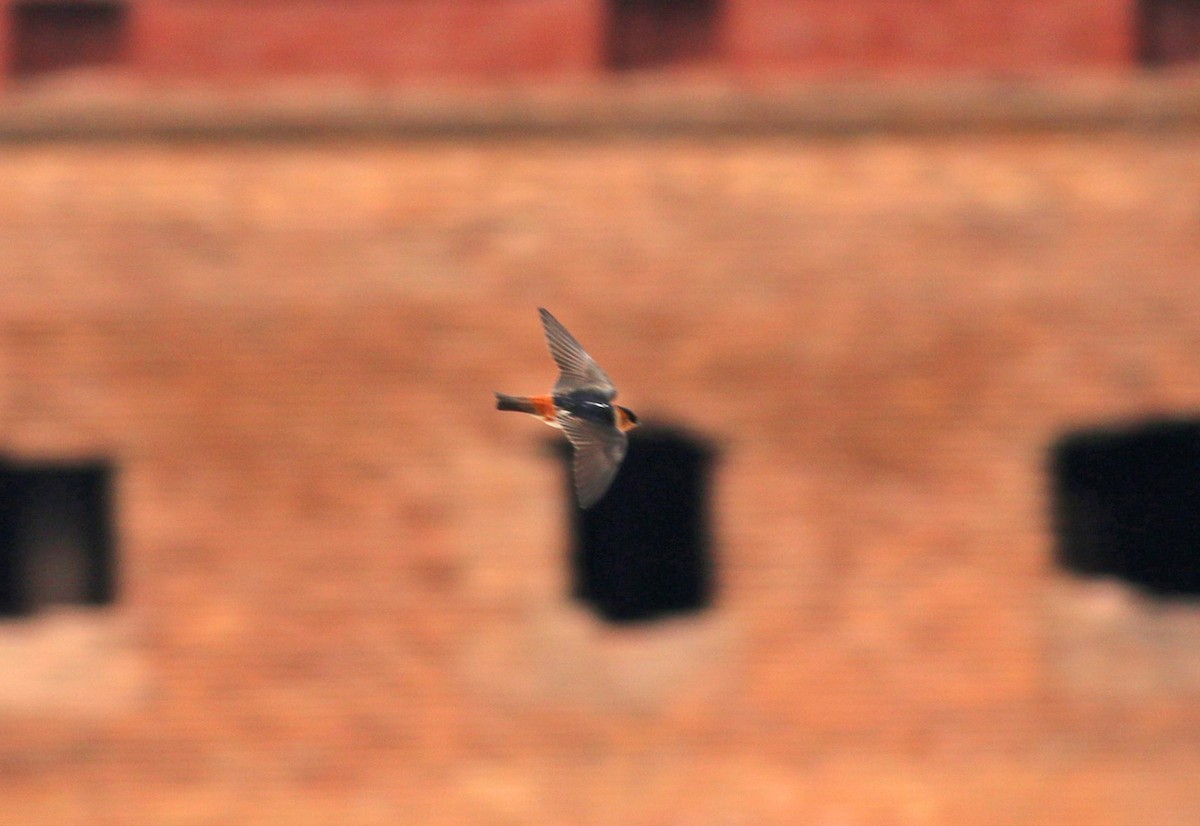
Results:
x,y
343,590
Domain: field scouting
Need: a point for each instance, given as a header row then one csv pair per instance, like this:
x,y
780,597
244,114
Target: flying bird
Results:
x,y
580,403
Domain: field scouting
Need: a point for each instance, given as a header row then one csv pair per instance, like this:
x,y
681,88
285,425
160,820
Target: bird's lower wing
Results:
x,y
599,451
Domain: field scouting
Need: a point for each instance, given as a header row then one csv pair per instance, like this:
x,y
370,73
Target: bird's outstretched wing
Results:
x,y
599,451
577,370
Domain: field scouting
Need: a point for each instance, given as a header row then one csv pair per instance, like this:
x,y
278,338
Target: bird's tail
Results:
x,y
520,404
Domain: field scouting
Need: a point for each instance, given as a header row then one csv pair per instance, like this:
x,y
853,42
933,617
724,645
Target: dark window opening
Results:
x,y
644,550
657,33
53,36
56,542
1127,504
1168,32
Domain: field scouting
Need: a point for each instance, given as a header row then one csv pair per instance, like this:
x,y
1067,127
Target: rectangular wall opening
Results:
x,y
648,34
56,536
1126,504
644,551
1168,32
47,37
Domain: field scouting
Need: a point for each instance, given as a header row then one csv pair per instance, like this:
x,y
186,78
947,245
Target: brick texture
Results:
x,y
417,41
368,38
342,575
870,37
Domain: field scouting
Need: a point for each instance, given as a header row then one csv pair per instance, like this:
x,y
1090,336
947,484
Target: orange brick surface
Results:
x,y
342,575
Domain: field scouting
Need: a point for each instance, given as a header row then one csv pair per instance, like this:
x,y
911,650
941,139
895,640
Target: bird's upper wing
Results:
x,y
577,370
599,451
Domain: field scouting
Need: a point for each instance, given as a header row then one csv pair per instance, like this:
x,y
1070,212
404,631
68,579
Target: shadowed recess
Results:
x,y
1168,32
56,536
56,36
644,551
1126,504
662,33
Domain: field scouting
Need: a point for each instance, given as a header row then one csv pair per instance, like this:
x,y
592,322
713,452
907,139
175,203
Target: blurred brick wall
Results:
x,y
868,37
422,40
343,595
371,38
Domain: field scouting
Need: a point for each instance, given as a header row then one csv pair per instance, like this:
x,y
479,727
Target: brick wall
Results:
x,y
871,37
342,576
231,41
372,38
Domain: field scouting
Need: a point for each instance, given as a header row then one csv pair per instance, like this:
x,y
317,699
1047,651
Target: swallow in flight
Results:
x,y
581,405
